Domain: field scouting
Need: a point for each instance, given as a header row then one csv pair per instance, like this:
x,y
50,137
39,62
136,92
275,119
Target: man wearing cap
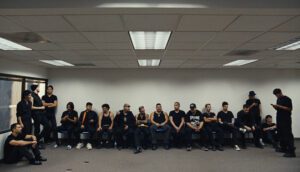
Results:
x,y
38,114
195,124
124,127
24,112
254,108
284,109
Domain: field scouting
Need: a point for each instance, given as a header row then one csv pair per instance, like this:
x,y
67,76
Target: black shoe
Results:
x,y
137,150
213,148
35,162
280,150
154,147
289,155
220,148
167,147
41,158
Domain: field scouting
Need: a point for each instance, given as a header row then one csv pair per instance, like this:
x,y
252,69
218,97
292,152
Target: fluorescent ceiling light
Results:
x,y
290,46
149,62
57,62
240,62
149,40
9,45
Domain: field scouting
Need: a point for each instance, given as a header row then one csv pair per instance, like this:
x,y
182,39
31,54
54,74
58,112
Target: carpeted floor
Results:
x,y
174,160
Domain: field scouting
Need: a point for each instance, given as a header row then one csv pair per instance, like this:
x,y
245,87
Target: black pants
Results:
x,y
71,132
53,125
124,138
154,130
270,136
178,137
27,126
285,135
39,118
22,151
231,130
141,136
256,136
210,129
189,134
105,134
89,129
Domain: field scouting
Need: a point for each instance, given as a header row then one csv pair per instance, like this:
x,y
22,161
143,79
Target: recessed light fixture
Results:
x,y
156,40
6,44
294,45
57,62
149,62
240,62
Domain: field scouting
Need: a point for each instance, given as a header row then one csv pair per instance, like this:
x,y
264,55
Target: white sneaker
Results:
x,y
261,142
55,146
69,147
237,148
243,130
89,146
79,146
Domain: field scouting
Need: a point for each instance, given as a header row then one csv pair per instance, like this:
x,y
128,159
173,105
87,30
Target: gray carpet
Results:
x,y
175,160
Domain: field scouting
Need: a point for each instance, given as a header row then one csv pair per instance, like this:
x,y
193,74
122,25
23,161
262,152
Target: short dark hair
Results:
x,y
89,104
158,104
71,104
106,106
268,116
245,106
277,91
13,126
50,86
141,107
224,103
207,105
26,93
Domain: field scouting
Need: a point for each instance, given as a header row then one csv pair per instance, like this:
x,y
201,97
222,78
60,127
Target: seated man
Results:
x,y
176,117
69,124
142,131
88,122
226,121
246,121
211,125
105,126
17,146
269,130
194,124
124,127
159,120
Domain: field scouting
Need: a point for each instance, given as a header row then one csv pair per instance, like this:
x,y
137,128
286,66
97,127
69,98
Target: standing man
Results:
x,y
159,120
50,102
24,112
254,108
142,131
176,117
124,126
284,109
38,114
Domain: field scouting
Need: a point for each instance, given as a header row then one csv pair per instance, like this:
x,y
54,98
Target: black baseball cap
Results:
x,y
192,105
252,93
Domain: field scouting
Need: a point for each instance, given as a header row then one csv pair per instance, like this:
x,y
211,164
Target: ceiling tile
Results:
x,y
292,25
191,37
107,37
64,37
8,26
234,36
114,45
277,37
77,46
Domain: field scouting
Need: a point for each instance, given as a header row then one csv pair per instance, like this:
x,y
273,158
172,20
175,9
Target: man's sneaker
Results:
x,y
205,148
243,130
69,147
35,162
237,148
138,150
261,142
55,146
79,146
213,148
220,148
189,148
41,159
154,147
289,155
167,147
89,146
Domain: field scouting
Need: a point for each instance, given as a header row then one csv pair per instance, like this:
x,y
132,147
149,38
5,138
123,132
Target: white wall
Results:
x,y
148,87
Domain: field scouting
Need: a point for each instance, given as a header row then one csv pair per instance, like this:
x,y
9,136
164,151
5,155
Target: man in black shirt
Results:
x,y
17,146
69,124
269,131
245,122
124,127
194,124
88,122
24,112
176,117
39,115
105,126
226,121
50,102
211,125
159,124
254,108
284,109
142,131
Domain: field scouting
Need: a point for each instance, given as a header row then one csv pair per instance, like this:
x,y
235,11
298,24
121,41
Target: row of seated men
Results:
x,y
128,130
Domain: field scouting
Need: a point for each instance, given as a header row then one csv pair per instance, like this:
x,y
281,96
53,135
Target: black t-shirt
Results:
x,y
225,117
265,125
90,115
121,120
177,116
209,115
244,118
24,109
255,109
287,102
37,102
72,115
49,99
194,117
8,148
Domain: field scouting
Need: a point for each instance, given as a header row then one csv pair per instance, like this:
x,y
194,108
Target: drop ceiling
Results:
x,y
201,37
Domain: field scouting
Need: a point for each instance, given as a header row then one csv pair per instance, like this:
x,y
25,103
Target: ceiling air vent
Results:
x,y
84,64
24,37
241,52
